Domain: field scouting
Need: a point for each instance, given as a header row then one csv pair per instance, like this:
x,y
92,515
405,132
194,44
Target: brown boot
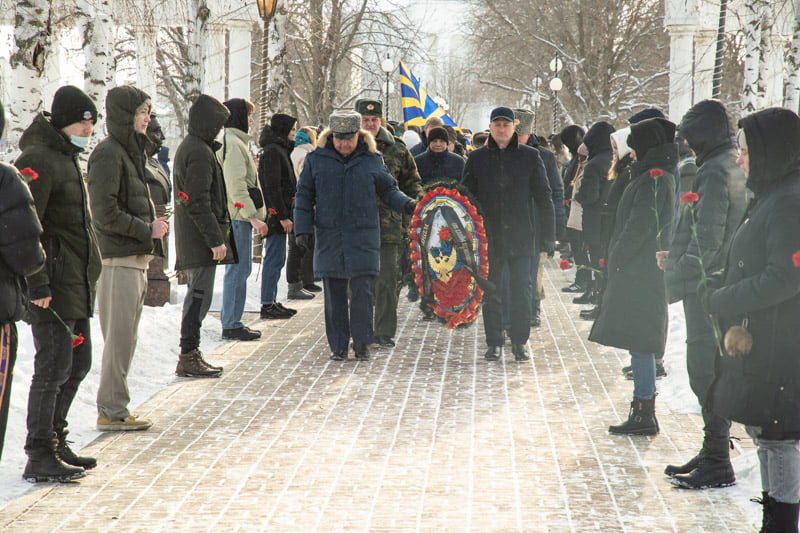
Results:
x,y
192,365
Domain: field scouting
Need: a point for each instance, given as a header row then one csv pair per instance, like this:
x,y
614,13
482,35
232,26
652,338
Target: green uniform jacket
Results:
x,y
403,169
73,258
119,196
202,222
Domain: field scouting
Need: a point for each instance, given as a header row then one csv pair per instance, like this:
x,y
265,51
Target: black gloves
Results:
x,y
303,241
410,207
549,247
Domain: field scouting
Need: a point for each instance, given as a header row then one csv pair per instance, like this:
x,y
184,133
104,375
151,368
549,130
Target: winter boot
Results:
x,y
589,296
641,419
45,466
713,470
691,464
784,517
65,453
297,292
192,365
767,503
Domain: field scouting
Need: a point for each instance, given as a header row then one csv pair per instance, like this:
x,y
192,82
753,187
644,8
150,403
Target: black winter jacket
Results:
x,y
439,166
762,285
556,186
202,222
62,204
504,182
595,180
720,184
278,182
634,311
21,254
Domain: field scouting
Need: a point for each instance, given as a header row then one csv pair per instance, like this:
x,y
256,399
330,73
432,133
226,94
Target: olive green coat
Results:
x,y
401,166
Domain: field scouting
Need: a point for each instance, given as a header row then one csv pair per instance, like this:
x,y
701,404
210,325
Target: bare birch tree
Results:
x,y
791,98
96,27
197,16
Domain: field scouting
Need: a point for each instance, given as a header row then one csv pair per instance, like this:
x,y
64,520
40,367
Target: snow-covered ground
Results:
x,y
154,365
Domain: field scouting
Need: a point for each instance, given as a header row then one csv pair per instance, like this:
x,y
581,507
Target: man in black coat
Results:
x,y
507,178
720,184
437,162
21,255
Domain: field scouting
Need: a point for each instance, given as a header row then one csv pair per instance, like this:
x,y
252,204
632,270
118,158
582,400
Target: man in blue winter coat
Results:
x,y
335,199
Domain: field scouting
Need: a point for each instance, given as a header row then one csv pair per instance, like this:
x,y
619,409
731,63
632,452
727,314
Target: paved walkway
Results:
x,y
426,436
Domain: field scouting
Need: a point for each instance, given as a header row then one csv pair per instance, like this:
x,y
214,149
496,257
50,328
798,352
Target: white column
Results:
x,y
239,73
146,66
215,66
705,49
680,70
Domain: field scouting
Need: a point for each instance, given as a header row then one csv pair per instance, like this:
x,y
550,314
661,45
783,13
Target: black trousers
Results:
x,y
8,356
518,301
58,370
299,263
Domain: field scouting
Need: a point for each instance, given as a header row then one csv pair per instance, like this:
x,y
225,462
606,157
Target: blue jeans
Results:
x,y
272,261
234,288
643,366
780,466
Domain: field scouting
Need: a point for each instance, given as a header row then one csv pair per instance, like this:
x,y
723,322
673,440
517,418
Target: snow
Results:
x,y
154,364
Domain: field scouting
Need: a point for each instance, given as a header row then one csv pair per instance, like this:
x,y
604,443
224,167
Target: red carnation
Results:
x,y
444,234
30,174
796,259
690,197
656,173
602,263
183,197
564,264
566,202
272,211
238,205
77,340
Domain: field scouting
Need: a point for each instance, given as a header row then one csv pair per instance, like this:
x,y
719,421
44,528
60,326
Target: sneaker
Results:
x,y
274,312
129,423
241,334
285,309
192,365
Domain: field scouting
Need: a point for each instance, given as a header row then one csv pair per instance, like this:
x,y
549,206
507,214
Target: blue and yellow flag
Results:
x,y
417,105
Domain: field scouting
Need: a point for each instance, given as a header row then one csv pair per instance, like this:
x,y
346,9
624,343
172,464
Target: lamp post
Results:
x,y
536,97
555,85
266,10
387,66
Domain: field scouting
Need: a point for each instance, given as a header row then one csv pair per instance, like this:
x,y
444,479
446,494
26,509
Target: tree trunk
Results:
x,y
754,18
792,95
274,64
97,29
32,44
198,41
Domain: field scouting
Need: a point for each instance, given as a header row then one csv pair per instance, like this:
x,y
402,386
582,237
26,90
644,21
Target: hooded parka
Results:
x,y
336,196
594,183
762,285
122,211
720,184
634,311
202,221
59,193
276,174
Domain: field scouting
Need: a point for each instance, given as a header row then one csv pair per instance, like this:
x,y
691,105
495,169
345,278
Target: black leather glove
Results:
x,y
303,241
410,207
549,247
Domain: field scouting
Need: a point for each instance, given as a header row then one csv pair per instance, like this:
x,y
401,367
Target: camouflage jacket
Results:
x,y
402,167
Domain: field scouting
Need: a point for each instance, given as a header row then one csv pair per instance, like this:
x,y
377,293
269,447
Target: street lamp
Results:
x,y
556,85
536,97
387,66
266,8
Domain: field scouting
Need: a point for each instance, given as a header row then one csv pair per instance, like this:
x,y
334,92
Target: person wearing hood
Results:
x,y
401,166
528,137
757,382
633,316
305,140
278,181
21,255
246,209
160,188
590,195
129,235
572,138
336,197
437,163
202,227
705,229
510,181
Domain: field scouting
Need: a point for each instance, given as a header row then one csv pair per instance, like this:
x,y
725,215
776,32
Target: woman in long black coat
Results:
x,y
634,312
761,292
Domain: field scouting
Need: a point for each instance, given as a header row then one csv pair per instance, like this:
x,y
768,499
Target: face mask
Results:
x,y
80,142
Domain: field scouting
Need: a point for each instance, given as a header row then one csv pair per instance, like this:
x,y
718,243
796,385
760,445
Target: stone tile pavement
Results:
x,y
424,437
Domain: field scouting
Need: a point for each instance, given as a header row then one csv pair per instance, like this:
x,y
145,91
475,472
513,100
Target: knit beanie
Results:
x,y
71,105
650,133
282,124
644,114
438,133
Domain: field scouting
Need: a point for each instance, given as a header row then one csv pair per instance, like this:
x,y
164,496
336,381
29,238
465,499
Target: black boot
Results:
x,y
641,419
588,297
361,350
591,313
784,517
767,503
714,468
691,464
45,466
69,457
